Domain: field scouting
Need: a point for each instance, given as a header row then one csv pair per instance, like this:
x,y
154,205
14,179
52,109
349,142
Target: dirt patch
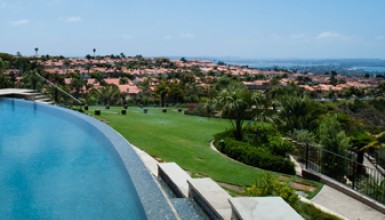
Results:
x,y
302,187
232,187
284,178
304,181
198,158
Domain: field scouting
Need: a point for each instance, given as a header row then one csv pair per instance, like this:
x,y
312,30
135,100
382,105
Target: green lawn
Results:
x,y
183,139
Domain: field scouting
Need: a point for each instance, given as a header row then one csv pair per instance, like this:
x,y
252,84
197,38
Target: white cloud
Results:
x,y
380,37
73,19
127,37
168,37
295,36
19,22
187,35
328,34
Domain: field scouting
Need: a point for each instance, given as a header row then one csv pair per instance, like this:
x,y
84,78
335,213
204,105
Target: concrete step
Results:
x,y
40,97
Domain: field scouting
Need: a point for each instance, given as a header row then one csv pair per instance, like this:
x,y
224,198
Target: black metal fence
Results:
x,y
364,179
377,158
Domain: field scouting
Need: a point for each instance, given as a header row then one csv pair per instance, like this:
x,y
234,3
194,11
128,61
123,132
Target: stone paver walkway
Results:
x,y
346,206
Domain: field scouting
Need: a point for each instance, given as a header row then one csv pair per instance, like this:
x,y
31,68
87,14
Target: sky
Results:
x,y
252,29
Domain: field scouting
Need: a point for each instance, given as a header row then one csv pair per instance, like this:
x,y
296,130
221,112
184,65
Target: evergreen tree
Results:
x,y
333,139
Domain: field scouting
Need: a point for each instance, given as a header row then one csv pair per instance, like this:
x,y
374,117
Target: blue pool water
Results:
x,y
55,168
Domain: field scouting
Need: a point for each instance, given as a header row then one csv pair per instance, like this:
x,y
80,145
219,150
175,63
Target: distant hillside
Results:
x,y
371,113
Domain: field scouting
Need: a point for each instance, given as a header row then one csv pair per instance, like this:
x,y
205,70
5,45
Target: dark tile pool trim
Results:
x,y
154,203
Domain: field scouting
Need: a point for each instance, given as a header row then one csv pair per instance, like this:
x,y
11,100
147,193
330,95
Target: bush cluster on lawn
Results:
x,y
261,147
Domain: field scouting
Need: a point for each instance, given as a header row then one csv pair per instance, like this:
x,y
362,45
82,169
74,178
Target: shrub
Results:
x,y
269,155
357,105
92,100
302,136
373,188
310,212
83,100
270,186
379,104
203,99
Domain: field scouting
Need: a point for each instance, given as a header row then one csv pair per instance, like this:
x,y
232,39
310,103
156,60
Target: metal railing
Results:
x,y
378,159
58,88
359,177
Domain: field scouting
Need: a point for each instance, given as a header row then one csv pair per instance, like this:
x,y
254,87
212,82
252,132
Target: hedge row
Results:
x,y
261,157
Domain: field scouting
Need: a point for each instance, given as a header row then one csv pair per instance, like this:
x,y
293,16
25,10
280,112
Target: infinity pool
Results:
x,y
54,167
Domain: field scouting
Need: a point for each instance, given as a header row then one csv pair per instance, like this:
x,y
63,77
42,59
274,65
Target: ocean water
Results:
x,y
371,69
284,65
51,168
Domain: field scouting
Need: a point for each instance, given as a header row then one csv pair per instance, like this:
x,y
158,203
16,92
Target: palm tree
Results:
x,y
193,91
106,94
88,67
77,85
144,88
237,103
36,50
123,96
67,63
88,57
363,142
54,92
293,110
161,90
175,90
94,50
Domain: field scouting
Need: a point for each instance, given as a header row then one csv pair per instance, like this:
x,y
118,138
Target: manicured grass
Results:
x,y
183,139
